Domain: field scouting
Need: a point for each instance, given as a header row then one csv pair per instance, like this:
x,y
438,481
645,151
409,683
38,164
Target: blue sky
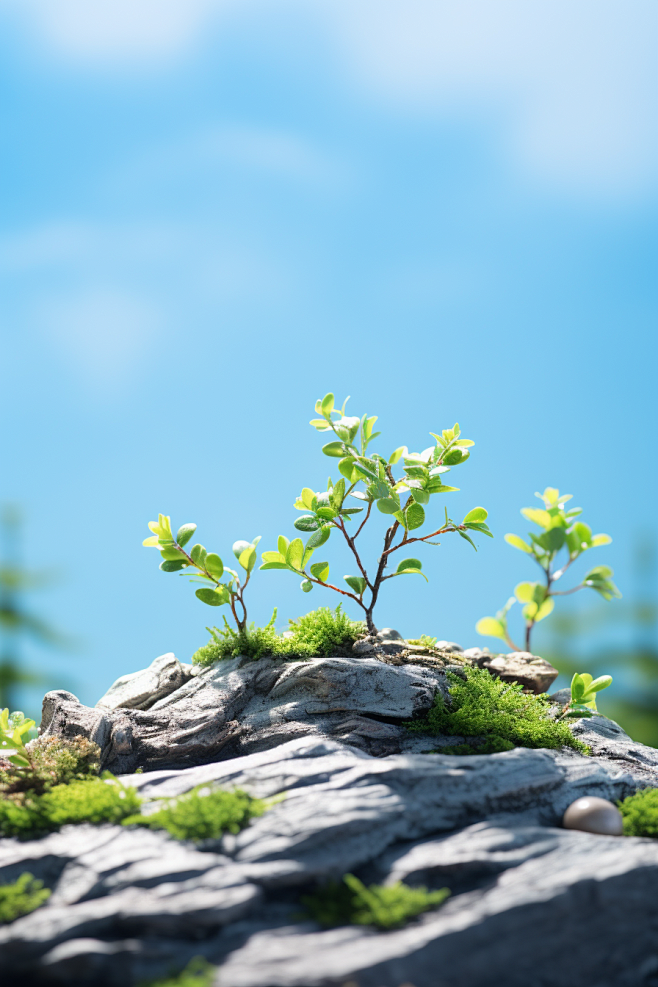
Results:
x,y
215,212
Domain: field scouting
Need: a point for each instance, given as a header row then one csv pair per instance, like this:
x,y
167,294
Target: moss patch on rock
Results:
x,y
197,973
350,902
21,897
640,813
320,632
482,706
56,761
203,814
93,800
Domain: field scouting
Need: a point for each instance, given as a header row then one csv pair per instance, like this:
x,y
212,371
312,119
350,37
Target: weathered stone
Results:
x,y
533,673
594,815
448,646
389,634
140,690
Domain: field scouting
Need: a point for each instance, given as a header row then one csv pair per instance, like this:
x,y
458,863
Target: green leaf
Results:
x,y
583,533
525,592
307,498
420,496
327,404
519,543
351,510
168,566
482,528
409,564
599,540
320,424
319,537
326,513
306,585
307,522
537,516
335,449
184,533
490,627
454,457
602,682
274,565
387,505
337,495
282,545
463,534
415,516
399,516
214,565
435,486
213,597
357,583
397,455
273,557
577,687
553,539
248,558
600,572
321,571
346,467
412,572
295,553
478,514
171,554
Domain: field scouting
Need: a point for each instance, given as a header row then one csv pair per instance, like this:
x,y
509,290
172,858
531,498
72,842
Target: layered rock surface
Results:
x,y
531,903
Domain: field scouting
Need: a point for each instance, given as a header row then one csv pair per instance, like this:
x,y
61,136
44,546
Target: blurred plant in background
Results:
x,y
16,622
629,630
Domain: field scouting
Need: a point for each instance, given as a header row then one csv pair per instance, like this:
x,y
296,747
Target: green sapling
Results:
x,y
208,567
560,532
13,729
583,695
368,478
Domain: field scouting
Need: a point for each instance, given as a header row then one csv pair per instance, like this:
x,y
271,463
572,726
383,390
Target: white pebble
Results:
x,y
594,815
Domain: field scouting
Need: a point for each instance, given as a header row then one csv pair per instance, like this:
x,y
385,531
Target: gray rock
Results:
x,y
534,674
449,646
528,898
389,634
140,690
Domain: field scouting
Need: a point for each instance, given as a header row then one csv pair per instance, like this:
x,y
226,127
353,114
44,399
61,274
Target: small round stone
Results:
x,y
389,634
594,815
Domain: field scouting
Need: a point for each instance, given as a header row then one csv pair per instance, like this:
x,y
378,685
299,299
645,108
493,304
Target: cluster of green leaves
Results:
x,y
14,728
21,897
207,566
320,632
484,706
202,814
583,694
350,902
93,800
559,531
368,477
54,761
197,973
640,813
425,641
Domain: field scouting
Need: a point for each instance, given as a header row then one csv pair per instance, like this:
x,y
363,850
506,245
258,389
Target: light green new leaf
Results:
x,y
321,571
239,547
478,514
519,543
307,498
412,572
213,597
327,404
274,565
537,516
214,565
295,553
320,424
415,516
537,612
525,592
490,627
599,540
198,555
409,564
172,554
584,533
306,585
184,533
248,558
273,557
397,455
463,535
282,545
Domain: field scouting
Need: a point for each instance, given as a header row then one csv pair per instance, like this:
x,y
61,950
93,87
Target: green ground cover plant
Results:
x,y
197,973
368,478
350,902
640,813
94,800
21,897
484,706
583,694
561,535
51,761
202,814
320,632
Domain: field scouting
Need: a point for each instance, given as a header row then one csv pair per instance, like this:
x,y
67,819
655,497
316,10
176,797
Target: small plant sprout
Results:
x,y
208,567
583,694
368,478
13,729
560,532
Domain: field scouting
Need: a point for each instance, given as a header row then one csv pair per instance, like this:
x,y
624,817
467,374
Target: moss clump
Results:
x,y
321,632
21,897
203,814
488,745
55,761
640,813
197,973
500,712
350,902
93,800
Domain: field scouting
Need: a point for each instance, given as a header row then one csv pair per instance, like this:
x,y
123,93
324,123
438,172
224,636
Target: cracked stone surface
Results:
x,y
532,904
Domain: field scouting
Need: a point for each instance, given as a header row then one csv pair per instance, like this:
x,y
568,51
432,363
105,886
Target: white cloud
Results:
x,y
574,83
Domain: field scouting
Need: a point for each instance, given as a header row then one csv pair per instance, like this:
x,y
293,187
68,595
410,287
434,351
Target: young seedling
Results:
x,y
559,532
13,728
583,695
368,478
208,567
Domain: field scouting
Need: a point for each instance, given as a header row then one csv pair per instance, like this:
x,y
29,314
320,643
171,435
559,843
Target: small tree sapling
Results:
x,y
208,567
368,478
559,532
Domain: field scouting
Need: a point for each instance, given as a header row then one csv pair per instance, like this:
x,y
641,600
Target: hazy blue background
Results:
x,y
215,212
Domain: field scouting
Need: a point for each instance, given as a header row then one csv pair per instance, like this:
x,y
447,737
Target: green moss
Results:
x,y
94,800
56,761
321,632
350,902
500,712
640,813
202,814
21,897
197,973
488,745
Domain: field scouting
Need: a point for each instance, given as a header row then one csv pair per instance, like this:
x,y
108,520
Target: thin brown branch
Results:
x,y
358,531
